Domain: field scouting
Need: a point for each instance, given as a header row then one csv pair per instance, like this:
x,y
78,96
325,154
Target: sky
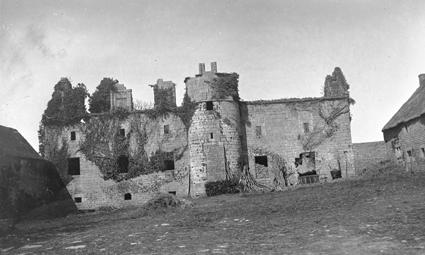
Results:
x,y
281,49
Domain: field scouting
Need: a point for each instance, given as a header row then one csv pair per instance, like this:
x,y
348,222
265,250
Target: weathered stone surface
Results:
x,y
224,136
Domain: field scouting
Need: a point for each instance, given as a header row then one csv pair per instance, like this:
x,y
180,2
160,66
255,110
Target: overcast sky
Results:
x,y
280,49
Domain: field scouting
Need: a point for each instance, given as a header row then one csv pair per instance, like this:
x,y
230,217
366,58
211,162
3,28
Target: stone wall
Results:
x,y
370,156
280,127
90,190
407,147
214,144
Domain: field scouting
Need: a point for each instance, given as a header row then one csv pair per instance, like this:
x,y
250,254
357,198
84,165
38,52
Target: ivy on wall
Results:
x,y
321,132
225,85
103,145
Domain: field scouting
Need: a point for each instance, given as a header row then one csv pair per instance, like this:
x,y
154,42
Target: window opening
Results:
x,y
74,166
122,163
210,106
73,136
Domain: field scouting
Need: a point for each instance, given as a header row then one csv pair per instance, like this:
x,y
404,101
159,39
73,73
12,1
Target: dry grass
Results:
x,y
383,214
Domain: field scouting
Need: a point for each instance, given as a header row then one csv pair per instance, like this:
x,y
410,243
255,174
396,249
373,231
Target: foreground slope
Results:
x,y
380,215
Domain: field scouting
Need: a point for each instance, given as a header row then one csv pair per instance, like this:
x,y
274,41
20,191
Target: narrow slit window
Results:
x,y
212,135
210,106
73,136
258,133
306,127
166,129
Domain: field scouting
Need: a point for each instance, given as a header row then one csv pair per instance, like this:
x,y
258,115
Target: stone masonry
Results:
x,y
312,136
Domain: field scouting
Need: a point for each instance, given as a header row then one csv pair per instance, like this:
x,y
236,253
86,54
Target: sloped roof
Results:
x,y
13,144
413,108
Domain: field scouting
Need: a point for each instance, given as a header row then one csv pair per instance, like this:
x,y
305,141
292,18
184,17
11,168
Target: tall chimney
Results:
x,y
421,79
201,68
214,67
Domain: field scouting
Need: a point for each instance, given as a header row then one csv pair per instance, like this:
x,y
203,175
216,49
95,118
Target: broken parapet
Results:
x,y
121,98
164,92
336,85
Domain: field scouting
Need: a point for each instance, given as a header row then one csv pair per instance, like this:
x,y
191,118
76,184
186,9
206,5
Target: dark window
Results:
x,y
210,106
172,192
122,132
78,199
168,164
211,135
258,131
122,163
127,196
409,153
73,135
423,152
261,160
74,166
306,127
166,129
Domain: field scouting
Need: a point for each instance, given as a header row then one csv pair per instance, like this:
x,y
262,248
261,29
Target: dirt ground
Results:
x,y
380,215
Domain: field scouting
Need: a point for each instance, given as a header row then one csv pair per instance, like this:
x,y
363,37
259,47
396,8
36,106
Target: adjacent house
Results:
x,y
27,181
404,134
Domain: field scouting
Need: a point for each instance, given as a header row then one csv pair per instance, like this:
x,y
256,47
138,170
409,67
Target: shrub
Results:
x,y
162,201
222,187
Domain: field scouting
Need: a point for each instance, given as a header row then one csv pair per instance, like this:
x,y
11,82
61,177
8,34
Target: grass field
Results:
x,y
380,215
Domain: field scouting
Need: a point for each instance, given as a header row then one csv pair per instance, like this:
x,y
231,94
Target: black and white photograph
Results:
x,y
212,127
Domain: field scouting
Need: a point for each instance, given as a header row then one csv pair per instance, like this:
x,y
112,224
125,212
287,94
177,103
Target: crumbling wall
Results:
x,y
215,130
93,188
369,156
292,127
214,144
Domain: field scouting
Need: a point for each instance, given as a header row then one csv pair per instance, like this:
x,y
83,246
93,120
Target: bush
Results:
x,y
222,187
162,201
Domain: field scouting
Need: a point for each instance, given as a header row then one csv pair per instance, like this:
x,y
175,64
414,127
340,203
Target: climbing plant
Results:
x,y
225,85
328,128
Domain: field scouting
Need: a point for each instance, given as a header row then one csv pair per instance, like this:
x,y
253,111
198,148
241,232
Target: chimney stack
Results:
x,y
421,79
201,68
214,67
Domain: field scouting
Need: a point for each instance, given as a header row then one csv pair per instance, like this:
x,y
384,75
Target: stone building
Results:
x,y
119,160
404,134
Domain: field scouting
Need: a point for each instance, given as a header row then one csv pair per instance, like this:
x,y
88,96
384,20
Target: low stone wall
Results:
x,y
368,156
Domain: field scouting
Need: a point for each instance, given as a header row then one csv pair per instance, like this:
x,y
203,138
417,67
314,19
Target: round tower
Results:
x,y
215,131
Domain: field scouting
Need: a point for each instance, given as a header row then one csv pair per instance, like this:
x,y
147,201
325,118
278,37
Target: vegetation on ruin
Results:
x,y
66,107
322,132
100,100
104,145
225,85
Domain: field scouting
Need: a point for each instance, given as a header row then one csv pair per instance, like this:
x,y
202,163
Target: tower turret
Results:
x,y
214,135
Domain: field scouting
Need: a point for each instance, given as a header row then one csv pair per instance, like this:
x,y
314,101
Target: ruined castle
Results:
x,y
125,156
